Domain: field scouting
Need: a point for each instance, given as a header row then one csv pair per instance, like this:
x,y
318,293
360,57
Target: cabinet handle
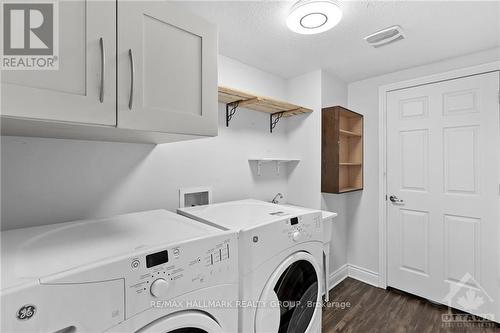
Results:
x,y
103,70
132,73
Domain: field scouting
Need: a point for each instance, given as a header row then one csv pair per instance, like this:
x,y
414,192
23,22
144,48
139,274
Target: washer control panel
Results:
x,y
265,240
163,274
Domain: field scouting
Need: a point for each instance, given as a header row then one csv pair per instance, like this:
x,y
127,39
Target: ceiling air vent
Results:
x,y
385,36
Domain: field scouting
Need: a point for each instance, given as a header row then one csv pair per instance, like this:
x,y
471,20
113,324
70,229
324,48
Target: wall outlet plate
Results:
x,y
195,196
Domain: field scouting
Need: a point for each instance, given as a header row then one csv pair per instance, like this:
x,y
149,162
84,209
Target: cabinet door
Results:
x,y
167,69
71,93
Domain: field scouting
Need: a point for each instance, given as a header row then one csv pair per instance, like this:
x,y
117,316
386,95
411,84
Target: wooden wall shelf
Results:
x,y
277,109
348,133
341,150
350,164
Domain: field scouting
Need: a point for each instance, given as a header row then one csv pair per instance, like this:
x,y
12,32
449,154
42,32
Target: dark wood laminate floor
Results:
x,y
376,310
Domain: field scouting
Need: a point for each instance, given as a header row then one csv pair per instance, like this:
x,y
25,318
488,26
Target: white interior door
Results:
x,y
167,60
443,166
73,92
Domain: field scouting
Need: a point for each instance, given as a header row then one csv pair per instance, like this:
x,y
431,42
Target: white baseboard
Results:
x,y
355,272
338,276
363,275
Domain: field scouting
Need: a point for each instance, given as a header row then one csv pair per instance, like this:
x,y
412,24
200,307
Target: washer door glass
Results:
x,y
291,296
190,321
297,291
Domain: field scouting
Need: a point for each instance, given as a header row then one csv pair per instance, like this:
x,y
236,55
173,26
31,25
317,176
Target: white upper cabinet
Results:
x,y
71,93
132,71
167,61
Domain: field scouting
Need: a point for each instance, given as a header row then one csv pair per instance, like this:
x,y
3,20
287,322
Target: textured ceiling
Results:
x,y
255,33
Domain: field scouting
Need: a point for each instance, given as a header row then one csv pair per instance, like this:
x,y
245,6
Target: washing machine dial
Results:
x,y
296,236
159,288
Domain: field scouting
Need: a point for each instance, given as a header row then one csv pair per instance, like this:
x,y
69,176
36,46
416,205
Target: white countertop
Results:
x,y
324,213
242,214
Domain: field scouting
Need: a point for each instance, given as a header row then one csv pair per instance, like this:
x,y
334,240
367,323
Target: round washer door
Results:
x,y
183,322
290,296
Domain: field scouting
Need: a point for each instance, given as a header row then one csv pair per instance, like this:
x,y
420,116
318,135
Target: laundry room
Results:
x,y
250,166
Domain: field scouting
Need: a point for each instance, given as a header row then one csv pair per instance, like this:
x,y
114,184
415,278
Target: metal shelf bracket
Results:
x,y
259,166
230,111
274,118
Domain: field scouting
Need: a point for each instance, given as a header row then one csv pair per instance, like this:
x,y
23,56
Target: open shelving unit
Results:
x,y
341,150
235,99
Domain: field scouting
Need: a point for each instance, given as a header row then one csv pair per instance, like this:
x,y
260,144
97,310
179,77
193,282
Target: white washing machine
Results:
x,y
152,271
280,261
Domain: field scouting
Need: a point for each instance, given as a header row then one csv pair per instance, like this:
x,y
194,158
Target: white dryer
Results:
x,y
280,263
152,271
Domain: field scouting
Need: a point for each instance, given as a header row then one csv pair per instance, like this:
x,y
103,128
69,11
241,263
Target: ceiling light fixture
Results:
x,y
314,16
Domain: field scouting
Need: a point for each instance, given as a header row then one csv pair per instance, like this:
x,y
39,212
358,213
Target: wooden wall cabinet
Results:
x,y
341,150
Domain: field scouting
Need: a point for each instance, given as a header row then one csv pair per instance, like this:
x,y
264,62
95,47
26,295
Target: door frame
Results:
x,y
382,127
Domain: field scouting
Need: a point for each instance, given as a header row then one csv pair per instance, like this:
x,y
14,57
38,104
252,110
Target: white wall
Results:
x,y
235,74
363,206
316,90
50,180
304,139
334,92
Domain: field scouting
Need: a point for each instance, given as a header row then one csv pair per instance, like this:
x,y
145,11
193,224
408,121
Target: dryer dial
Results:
x,y
159,288
296,236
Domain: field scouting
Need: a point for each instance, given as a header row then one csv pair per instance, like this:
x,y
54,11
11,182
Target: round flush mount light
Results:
x,y
314,16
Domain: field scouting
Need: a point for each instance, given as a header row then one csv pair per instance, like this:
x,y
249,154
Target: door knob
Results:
x,y
395,199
